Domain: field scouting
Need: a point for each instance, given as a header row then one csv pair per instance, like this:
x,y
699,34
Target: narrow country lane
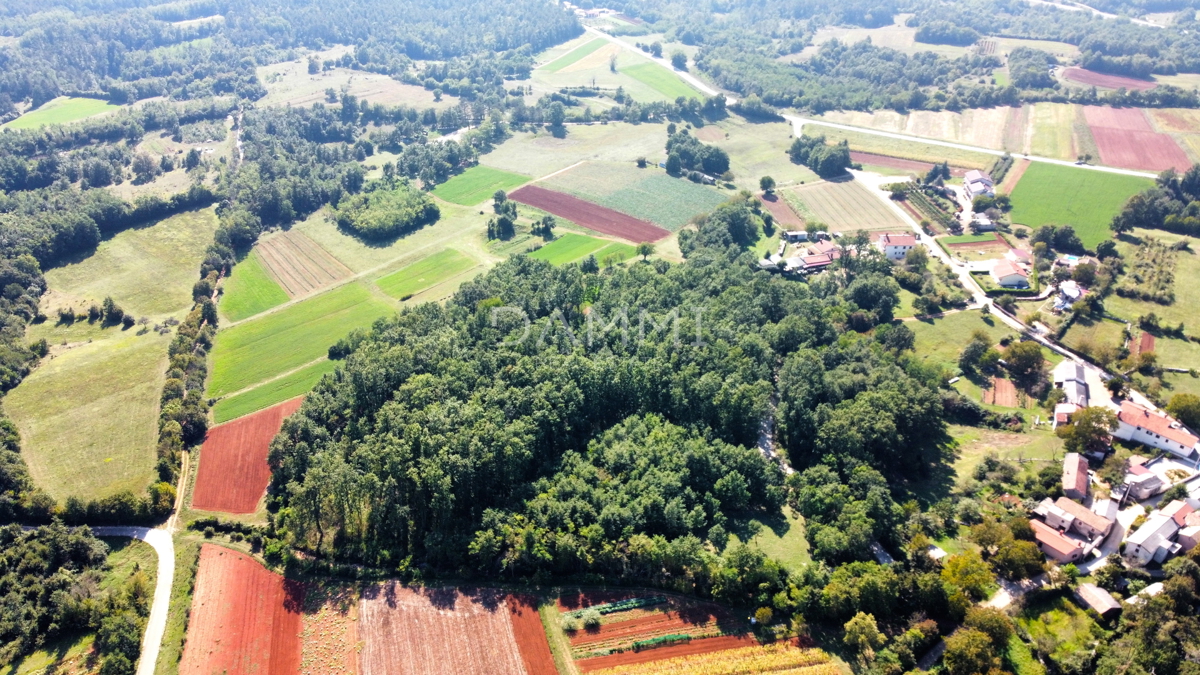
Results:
x,y
156,625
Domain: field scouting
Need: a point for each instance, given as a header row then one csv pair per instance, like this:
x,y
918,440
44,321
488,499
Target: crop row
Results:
x,y
779,658
620,605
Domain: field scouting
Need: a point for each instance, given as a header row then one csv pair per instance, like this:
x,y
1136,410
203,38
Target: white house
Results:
x,y
1152,541
1155,429
978,183
1069,376
1009,275
896,246
982,223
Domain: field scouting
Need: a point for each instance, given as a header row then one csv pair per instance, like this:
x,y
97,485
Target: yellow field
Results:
x,y
982,127
1053,130
845,206
897,36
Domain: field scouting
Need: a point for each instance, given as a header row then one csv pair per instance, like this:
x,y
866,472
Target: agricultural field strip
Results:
x,y
799,123
686,77
280,376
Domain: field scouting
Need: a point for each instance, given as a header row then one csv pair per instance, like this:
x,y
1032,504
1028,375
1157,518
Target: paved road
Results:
x,y
799,122
156,625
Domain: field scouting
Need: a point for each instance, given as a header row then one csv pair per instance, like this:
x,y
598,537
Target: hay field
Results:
x,y
299,381
572,247
61,110
541,154
298,264
1186,307
576,55
646,80
426,273
893,147
289,83
897,36
756,150
1053,130
845,206
88,417
1062,195
259,349
147,270
249,289
477,184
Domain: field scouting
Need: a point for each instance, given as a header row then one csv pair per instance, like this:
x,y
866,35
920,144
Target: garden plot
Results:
x,y
845,206
647,193
589,215
298,264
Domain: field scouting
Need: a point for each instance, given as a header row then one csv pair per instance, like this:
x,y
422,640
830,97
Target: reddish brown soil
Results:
x,y
898,163
299,264
589,215
710,134
1146,344
571,601
1002,393
1093,79
443,631
781,211
1126,139
1013,176
244,620
530,635
233,472
701,646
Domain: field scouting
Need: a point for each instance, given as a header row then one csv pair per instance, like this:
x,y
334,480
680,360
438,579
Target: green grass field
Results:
x,y
780,538
968,239
756,150
426,273
643,193
477,184
1062,195
845,206
1175,353
1186,307
568,248
1085,335
60,111
939,341
89,417
147,270
1059,622
615,252
661,80
975,443
573,56
250,290
270,393
261,348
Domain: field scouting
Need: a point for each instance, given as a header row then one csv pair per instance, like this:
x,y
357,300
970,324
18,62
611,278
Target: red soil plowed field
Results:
x,y
245,619
1002,393
1146,344
530,636
440,631
1093,79
299,264
589,215
1126,139
1013,176
781,211
233,470
701,646
899,164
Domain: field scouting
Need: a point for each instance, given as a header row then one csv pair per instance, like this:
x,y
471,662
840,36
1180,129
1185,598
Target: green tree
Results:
x,y
766,184
1017,559
1186,409
674,164
969,572
679,60
863,636
1090,429
645,249
992,622
1025,359
969,652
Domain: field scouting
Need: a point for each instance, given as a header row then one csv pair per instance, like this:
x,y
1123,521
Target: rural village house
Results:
x,y
896,246
1056,545
1009,275
1070,377
1155,429
978,183
1075,476
1152,541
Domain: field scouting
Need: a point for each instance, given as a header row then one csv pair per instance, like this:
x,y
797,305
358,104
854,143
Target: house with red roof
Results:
x,y
896,246
1008,274
1055,544
1150,427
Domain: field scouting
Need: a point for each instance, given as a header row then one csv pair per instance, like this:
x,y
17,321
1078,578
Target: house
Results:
x,y
1008,275
982,223
1075,476
1105,508
978,183
1152,541
1069,376
1086,522
1019,256
1054,544
1053,516
1097,599
1144,484
896,246
1155,429
1188,537
1063,413
1178,510
825,247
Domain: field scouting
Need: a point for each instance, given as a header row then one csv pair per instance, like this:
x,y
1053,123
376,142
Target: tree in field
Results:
x,y
192,160
1024,360
766,184
314,66
679,60
1186,409
674,164
1090,430
969,652
145,168
656,50
645,249
556,114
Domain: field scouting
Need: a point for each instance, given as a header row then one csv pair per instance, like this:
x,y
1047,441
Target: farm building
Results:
x,y
978,183
1063,413
896,246
982,223
1069,376
1189,537
1142,483
1019,256
1075,476
1054,544
795,236
1009,275
1155,429
1105,508
1178,510
1152,541
1097,599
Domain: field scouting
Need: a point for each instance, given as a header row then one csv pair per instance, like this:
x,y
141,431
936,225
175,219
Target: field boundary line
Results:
x,y
799,122
256,385
552,175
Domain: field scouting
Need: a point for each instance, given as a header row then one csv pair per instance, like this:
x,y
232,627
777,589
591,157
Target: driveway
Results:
x,y
156,625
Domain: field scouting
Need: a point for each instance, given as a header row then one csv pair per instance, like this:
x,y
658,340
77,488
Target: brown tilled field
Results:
x,y
1126,139
1013,176
245,619
779,209
1146,343
899,164
1003,393
299,264
329,639
445,631
233,473
589,215
702,646
1093,79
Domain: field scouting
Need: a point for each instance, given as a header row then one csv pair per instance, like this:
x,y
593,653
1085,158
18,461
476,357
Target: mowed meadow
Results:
x,y
1049,194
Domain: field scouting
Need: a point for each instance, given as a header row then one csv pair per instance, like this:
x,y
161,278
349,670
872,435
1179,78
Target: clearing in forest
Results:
x,y
845,206
298,264
1091,78
447,631
61,111
649,194
477,184
233,473
571,247
249,290
412,279
1082,198
574,55
275,343
657,77
244,620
